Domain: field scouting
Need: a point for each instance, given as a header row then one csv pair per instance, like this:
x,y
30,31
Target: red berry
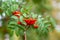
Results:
x,y
17,13
18,16
30,21
19,22
33,21
35,26
27,21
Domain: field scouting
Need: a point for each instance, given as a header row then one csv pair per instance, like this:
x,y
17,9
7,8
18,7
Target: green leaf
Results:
x,y
11,33
24,15
11,27
22,10
14,17
52,22
46,21
21,20
17,33
8,12
21,27
14,7
47,25
34,15
13,22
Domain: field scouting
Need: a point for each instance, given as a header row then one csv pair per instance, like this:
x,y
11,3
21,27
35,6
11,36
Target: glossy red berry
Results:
x,y
27,21
30,21
17,13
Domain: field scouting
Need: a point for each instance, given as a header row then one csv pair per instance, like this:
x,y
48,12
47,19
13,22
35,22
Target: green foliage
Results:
x,y
45,23
9,6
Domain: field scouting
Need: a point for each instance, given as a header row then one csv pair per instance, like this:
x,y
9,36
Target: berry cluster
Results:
x,y
29,21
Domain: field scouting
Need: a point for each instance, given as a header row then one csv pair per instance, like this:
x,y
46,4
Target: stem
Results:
x,y
25,38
